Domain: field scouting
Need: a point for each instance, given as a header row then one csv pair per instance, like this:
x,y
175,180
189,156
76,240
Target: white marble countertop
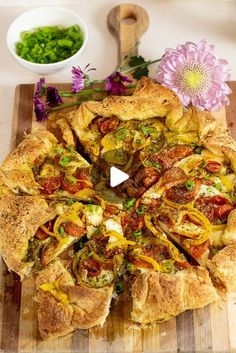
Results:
x,y
171,23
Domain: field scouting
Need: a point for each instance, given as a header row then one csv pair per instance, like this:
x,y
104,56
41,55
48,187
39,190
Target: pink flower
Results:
x,y
196,75
114,83
79,78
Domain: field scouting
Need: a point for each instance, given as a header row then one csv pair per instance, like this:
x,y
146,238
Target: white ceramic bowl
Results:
x,y
44,16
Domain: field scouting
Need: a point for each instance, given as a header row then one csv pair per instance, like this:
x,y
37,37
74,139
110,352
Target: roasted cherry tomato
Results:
x,y
50,184
73,229
71,186
93,267
181,194
146,177
48,251
169,157
197,250
223,211
106,125
110,210
213,167
82,174
139,263
40,234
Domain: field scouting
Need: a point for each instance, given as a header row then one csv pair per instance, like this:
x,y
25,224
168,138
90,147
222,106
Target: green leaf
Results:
x,y
140,71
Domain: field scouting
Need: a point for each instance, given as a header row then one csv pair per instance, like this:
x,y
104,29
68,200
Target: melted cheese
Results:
x,y
55,290
189,163
209,156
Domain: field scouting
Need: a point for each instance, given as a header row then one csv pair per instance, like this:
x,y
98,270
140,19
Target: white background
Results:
x,y
171,22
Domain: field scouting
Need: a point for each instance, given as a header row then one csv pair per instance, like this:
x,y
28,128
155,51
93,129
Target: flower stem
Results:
x,y
83,92
125,71
89,91
65,105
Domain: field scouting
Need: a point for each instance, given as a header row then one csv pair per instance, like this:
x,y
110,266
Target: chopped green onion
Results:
x,y
209,189
90,208
59,150
198,150
120,287
70,149
218,186
71,179
156,165
61,231
147,163
167,266
148,130
138,142
143,209
129,203
121,134
128,266
64,161
137,233
190,185
70,202
90,253
49,44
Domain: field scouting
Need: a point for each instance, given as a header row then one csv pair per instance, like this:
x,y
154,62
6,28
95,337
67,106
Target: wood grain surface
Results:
x,y
207,330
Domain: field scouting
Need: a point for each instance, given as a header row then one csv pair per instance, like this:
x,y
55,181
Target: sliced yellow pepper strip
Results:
x,y
47,231
149,260
120,243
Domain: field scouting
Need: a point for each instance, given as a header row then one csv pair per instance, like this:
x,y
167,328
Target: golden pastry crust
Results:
x,y
223,267
20,217
159,296
86,306
16,170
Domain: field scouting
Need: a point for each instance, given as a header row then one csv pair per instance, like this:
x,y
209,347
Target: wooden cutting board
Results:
x,y
211,329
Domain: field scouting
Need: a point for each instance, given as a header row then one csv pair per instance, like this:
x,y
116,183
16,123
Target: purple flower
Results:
x,y
79,78
40,109
53,97
40,88
196,75
114,83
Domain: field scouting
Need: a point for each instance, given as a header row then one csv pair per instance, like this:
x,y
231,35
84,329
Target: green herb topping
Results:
x,y
190,185
129,203
49,44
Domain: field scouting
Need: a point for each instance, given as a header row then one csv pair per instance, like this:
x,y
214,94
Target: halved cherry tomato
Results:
x,y
169,157
40,234
57,158
140,263
82,174
73,229
93,267
110,210
184,264
223,211
147,177
213,167
180,193
72,187
47,252
219,200
197,250
106,125
49,184
214,208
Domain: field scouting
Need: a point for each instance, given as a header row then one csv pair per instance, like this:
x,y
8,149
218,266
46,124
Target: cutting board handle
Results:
x,y
127,22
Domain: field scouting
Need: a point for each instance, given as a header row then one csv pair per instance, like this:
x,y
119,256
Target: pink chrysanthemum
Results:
x,y
80,78
196,75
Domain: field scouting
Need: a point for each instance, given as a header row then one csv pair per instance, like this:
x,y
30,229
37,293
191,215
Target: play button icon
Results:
x,y
117,176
